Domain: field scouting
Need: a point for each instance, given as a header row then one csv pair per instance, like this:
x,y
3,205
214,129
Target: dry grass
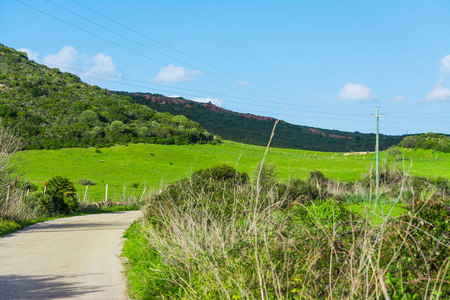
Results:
x,y
216,242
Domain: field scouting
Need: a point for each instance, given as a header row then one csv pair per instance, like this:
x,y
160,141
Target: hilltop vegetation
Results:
x,y
50,110
255,130
438,142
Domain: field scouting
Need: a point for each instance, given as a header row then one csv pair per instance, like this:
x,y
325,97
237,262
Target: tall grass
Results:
x,y
208,238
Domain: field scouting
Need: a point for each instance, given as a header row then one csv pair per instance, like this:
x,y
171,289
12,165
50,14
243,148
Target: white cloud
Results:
x,y
32,55
174,96
355,92
398,99
215,101
101,64
171,73
438,95
445,65
66,57
69,60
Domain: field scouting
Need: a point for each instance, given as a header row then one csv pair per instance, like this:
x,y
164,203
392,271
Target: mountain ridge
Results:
x,y
253,129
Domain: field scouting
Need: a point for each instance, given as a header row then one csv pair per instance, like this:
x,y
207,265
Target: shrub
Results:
x,y
426,232
297,191
27,186
116,126
266,175
63,194
44,205
84,181
221,173
89,117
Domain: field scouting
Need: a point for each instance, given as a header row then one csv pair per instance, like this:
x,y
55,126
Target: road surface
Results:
x,y
70,258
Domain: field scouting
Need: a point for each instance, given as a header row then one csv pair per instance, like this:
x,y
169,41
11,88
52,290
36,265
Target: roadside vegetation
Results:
x,y
219,234
23,204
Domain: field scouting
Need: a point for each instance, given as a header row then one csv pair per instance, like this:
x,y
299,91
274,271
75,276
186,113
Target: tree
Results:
x,y
10,143
9,167
116,126
88,116
143,131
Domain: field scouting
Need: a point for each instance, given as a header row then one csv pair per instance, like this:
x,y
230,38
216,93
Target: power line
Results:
x,y
159,52
189,56
228,100
192,90
157,61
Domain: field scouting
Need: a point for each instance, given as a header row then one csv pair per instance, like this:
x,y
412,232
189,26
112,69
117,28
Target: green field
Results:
x,y
154,166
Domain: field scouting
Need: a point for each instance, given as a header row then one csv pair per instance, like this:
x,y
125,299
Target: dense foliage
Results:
x,y
53,110
251,130
438,142
60,198
215,236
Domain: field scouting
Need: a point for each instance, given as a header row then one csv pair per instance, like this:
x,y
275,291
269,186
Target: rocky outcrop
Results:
x,y
209,106
313,130
340,136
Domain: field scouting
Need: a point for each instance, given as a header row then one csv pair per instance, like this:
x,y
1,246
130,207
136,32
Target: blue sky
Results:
x,y
324,64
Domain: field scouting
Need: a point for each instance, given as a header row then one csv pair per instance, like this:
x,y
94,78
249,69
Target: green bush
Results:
x,y
298,191
84,181
221,173
44,205
63,193
426,232
7,226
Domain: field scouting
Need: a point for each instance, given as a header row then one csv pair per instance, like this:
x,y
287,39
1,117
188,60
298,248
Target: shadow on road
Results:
x,y
16,287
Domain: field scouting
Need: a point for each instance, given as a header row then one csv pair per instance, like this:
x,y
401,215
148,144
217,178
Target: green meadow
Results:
x,y
152,166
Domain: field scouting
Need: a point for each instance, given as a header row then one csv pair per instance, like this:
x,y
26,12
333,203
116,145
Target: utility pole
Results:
x,y
377,171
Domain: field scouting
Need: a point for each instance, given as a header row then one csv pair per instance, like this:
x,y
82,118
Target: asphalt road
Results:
x,y
70,258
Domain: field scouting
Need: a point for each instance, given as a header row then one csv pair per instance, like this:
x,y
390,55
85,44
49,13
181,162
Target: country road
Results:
x,y
70,258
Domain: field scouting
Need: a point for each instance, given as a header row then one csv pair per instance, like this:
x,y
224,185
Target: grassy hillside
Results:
x,y
254,130
51,110
156,165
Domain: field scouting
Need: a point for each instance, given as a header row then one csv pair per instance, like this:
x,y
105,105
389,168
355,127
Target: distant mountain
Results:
x,y
256,130
51,110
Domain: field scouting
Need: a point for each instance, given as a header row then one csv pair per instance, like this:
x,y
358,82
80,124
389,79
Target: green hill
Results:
x,y
438,142
51,110
256,130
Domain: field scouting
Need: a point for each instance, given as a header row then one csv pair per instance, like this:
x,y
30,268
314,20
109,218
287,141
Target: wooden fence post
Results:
x,y
85,193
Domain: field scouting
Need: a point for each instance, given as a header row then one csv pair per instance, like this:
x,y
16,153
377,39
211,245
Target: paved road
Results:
x,y
70,258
